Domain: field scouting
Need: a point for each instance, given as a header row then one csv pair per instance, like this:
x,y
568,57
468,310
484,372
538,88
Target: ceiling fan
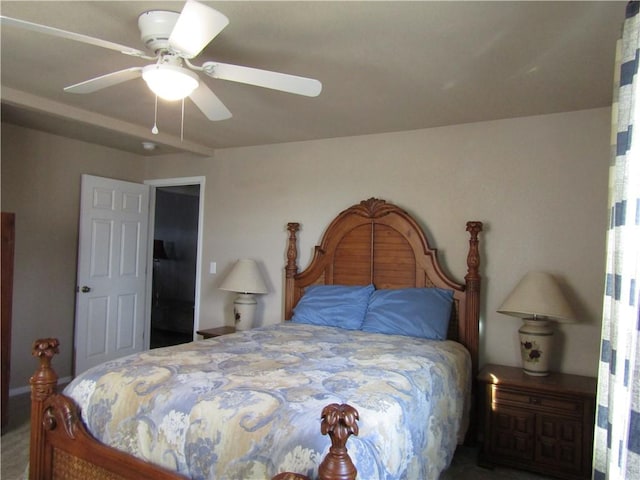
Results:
x,y
175,39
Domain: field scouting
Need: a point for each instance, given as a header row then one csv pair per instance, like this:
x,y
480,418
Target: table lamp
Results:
x,y
536,299
246,280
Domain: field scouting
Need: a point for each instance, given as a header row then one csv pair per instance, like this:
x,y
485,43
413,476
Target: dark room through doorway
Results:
x,y
175,248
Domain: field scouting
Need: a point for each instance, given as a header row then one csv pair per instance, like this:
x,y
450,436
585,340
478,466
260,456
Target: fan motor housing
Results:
x,y
156,27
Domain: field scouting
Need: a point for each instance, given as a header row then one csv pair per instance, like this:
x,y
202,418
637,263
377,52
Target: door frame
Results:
x,y
172,182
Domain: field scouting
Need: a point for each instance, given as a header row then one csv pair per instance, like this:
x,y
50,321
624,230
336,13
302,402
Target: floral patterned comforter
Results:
x,y
247,405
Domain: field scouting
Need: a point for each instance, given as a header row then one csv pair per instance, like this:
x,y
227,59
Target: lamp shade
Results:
x,y
538,295
170,82
244,277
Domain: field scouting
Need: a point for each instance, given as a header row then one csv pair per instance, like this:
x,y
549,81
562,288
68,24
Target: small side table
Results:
x,y
216,332
543,424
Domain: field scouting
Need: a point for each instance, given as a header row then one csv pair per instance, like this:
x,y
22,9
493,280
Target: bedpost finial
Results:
x,y
44,380
339,422
45,348
474,227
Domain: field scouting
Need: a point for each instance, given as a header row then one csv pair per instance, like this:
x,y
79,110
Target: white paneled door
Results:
x,y
112,261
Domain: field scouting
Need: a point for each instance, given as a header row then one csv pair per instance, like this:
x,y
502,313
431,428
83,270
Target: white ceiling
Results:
x,y
384,66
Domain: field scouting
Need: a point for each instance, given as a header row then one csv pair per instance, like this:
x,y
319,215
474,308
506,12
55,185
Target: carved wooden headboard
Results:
x,y
377,242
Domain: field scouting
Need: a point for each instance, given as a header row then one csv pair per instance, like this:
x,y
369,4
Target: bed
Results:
x,y
261,400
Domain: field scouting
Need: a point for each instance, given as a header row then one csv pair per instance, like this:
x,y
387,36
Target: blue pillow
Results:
x,y
333,306
416,312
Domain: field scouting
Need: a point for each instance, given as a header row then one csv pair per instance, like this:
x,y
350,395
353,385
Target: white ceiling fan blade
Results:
x,y
78,37
197,25
209,103
104,81
264,78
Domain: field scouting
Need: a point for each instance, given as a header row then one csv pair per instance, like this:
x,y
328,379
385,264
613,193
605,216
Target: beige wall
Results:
x,y
538,183
41,185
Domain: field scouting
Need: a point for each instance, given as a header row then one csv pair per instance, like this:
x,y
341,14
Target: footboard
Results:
x,y
61,447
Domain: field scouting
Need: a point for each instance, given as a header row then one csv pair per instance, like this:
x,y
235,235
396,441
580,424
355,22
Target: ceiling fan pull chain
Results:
x,y
182,123
154,130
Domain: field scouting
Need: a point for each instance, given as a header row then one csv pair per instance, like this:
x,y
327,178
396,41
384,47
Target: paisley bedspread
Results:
x,y
247,405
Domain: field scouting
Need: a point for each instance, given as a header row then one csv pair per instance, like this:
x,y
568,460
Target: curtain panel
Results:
x,y
617,433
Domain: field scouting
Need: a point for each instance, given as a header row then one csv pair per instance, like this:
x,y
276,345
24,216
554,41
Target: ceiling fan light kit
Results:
x,y
170,82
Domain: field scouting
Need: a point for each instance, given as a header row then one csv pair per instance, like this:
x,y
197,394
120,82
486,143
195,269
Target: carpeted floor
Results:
x,y
464,467
14,443
15,452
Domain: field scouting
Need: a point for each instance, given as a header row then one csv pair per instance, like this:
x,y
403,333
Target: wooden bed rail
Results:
x,y
61,447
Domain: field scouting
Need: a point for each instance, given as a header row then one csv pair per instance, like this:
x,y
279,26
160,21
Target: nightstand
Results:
x,y
542,424
216,332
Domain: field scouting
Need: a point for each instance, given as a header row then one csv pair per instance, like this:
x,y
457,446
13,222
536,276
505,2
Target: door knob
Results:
x,y
85,289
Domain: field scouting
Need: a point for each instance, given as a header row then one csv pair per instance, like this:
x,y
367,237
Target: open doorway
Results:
x,y
175,273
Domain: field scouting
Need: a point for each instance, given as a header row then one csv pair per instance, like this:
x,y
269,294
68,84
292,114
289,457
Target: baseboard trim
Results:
x,y
14,392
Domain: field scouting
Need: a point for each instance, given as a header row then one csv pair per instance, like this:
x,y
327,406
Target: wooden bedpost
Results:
x,y
340,422
43,385
291,269
472,324
472,279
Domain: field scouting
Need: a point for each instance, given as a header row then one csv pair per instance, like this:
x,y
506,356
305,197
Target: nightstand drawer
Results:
x,y
514,397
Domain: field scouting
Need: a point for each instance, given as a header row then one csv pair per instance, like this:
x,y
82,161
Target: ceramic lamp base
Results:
x,y
244,310
535,346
